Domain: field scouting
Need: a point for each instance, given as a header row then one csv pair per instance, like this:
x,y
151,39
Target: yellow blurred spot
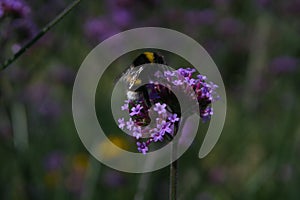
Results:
x,y
108,150
150,56
52,178
80,162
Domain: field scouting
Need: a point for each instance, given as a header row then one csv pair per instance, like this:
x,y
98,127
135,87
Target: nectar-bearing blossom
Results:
x,y
142,147
129,124
121,123
173,118
137,132
136,110
161,102
160,108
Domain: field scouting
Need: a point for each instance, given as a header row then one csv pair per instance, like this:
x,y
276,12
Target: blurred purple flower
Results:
x,y
62,74
284,64
200,17
54,161
42,99
229,26
23,29
113,179
1,11
217,175
122,18
98,29
15,8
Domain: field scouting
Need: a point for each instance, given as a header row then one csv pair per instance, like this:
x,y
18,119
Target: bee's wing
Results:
x,y
130,77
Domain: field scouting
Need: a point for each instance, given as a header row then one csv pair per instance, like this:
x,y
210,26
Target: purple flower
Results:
x,y
204,91
177,82
14,7
229,26
166,122
190,81
206,114
173,118
54,161
24,28
1,11
142,147
284,64
169,73
125,106
186,72
201,77
136,110
202,17
157,74
160,108
137,132
98,29
129,124
122,17
164,127
62,74
157,137
113,179
121,123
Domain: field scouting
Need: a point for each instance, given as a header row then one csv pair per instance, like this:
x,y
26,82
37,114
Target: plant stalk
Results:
x,y
173,174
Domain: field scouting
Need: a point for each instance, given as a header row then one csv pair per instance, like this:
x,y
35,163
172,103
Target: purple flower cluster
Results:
x,y
205,92
164,124
15,8
165,111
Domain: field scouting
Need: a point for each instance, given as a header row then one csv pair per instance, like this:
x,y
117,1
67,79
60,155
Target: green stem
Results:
x,y
173,175
39,34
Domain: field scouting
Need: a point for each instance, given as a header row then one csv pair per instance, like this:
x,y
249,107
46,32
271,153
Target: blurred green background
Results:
x,y
256,46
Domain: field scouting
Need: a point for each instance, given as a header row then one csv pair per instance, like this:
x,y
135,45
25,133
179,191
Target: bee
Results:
x,y
130,77
148,93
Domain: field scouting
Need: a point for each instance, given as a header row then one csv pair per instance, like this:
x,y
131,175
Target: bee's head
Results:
x,y
149,57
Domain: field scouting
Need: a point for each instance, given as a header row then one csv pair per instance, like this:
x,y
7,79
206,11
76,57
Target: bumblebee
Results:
x,y
148,93
130,77
148,57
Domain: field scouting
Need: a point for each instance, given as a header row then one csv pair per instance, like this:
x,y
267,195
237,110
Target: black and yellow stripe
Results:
x,y
148,57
